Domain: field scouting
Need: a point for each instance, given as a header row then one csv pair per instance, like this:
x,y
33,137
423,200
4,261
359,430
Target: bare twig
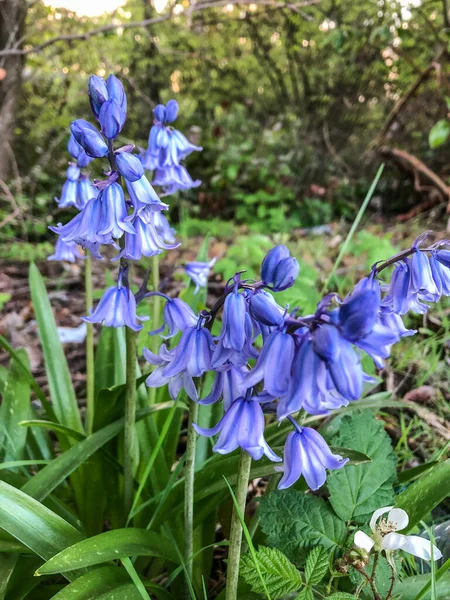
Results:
x,y
402,102
152,21
16,209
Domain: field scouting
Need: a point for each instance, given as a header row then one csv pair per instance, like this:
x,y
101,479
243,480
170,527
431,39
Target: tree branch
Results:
x,y
82,37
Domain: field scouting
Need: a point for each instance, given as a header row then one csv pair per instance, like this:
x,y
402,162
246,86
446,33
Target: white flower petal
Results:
x,y
362,540
422,548
399,518
394,541
376,515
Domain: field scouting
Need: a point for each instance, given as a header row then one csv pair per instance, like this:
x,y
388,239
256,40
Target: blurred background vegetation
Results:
x,y
295,104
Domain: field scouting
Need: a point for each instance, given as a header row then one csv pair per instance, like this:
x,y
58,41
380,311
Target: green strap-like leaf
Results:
x,y
95,583
14,408
419,499
33,524
59,380
117,543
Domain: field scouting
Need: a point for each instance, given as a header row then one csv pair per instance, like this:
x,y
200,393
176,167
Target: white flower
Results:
x,y
385,537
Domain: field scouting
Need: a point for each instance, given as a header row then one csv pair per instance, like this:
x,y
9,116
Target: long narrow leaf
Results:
x,y
59,380
110,545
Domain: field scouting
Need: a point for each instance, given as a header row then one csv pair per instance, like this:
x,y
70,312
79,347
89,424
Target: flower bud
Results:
x,y
98,93
78,153
129,166
285,274
160,113
89,138
264,309
359,313
271,260
116,91
171,111
112,118
443,257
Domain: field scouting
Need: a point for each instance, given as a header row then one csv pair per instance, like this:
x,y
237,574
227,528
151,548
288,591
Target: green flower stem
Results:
x,y
89,345
156,314
130,416
234,552
189,496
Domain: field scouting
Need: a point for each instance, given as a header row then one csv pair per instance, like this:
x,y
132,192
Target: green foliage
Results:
x,y
383,575
317,564
439,133
425,494
280,575
295,522
351,496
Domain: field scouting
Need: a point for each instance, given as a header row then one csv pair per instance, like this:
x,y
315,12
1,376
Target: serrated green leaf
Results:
x,y
305,594
280,575
295,522
357,491
382,576
439,133
317,564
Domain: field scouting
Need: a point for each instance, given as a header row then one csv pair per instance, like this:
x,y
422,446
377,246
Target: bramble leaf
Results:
x,y
280,575
295,522
316,565
357,491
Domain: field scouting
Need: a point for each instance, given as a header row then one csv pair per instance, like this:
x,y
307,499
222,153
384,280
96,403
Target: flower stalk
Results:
x,y
189,495
130,416
234,553
156,313
90,408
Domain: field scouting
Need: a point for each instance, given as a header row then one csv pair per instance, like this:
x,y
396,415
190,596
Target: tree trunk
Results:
x,y
12,28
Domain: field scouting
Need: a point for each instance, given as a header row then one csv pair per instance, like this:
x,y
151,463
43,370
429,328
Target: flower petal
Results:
x,y
363,541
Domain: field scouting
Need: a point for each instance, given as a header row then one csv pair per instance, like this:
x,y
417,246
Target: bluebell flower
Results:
x,y
177,317
193,353
145,241
443,256
228,384
114,214
274,364
265,310
85,226
98,93
242,426
85,191
401,293
394,322
117,92
176,382
307,453
69,195
78,153
142,195
117,308
173,179
89,138
162,226
421,281
359,312
441,275
223,356
279,269
112,118
272,260
311,387
66,251
129,166
233,323
199,272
